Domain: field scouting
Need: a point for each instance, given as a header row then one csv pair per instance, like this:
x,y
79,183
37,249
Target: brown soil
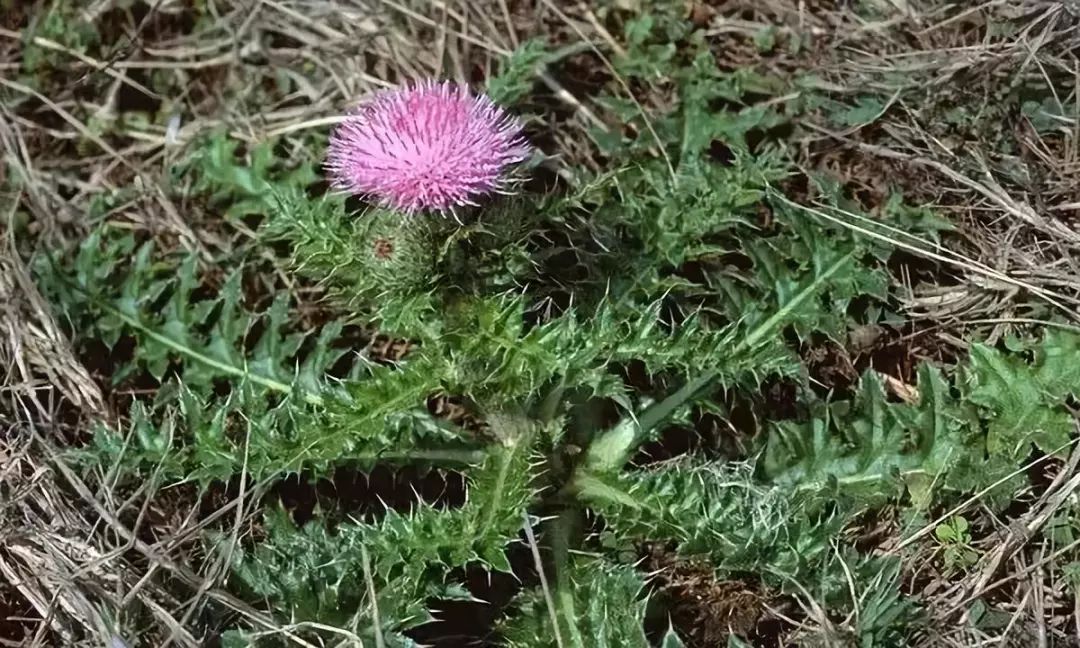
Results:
x,y
894,352
705,610
350,493
472,623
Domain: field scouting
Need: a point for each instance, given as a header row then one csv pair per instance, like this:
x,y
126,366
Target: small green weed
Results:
x,y
955,539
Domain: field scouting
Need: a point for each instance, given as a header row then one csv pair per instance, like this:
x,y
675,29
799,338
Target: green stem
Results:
x,y
506,459
549,407
561,530
516,433
449,456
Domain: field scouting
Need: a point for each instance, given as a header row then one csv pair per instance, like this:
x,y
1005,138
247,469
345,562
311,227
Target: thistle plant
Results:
x,y
528,314
533,314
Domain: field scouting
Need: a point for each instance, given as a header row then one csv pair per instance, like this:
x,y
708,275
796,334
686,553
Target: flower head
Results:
x,y
425,146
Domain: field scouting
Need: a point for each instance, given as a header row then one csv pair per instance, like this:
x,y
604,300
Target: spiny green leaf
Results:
x,y
205,337
867,445
714,510
1022,410
614,446
313,574
517,73
601,605
368,257
242,183
870,446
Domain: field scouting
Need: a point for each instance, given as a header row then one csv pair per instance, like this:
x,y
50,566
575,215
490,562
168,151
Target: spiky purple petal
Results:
x,y
429,145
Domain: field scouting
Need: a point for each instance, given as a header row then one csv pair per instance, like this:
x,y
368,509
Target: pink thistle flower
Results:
x,y
425,146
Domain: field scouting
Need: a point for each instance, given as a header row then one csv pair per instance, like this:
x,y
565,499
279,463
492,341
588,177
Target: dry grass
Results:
x,y
1014,210
84,556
